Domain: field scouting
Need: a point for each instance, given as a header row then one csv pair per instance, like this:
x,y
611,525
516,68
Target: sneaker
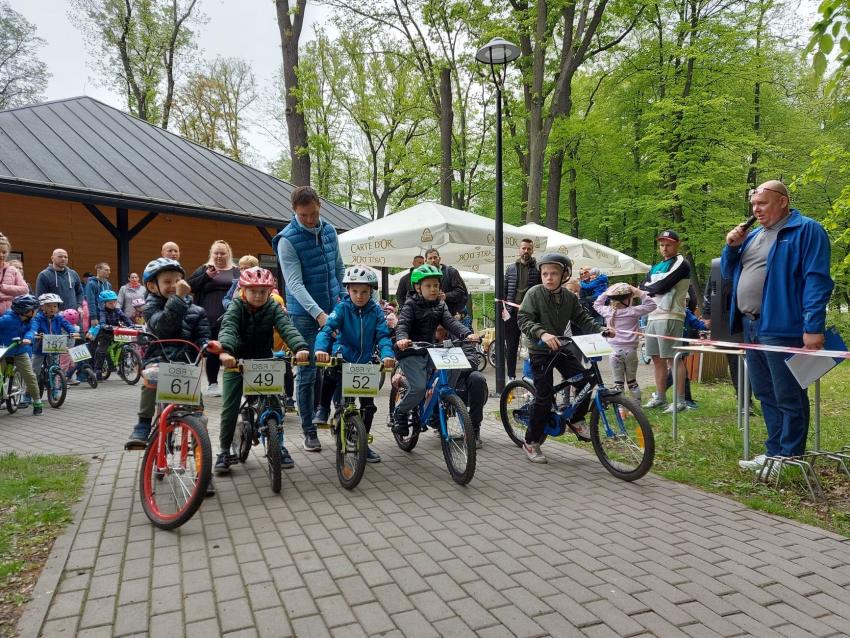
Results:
x,y
289,404
25,402
766,474
532,451
655,401
400,424
311,442
222,463
321,416
478,443
691,405
677,406
581,430
37,409
754,464
73,382
213,391
372,456
286,461
210,488
139,438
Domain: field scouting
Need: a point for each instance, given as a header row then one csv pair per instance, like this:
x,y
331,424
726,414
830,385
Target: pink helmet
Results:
x,y
256,278
138,303
71,316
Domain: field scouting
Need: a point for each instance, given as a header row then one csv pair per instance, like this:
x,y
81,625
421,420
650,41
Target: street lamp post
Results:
x,y
497,54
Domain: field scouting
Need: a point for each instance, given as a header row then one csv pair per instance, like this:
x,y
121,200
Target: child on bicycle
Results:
x,y
247,332
353,330
110,315
16,323
418,319
616,307
169,314
549,311
48,321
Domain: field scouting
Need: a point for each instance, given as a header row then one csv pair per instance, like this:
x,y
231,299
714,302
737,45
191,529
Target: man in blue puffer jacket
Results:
x,y
780,289
308,251
360,326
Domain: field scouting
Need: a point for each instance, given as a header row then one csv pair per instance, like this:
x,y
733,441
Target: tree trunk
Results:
x,y
573,201
296,126
553,189
446,121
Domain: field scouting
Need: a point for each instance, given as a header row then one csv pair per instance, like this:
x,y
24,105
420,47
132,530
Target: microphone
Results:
x,y
750,221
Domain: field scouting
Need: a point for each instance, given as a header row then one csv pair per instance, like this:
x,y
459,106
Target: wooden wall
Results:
x,y
36,226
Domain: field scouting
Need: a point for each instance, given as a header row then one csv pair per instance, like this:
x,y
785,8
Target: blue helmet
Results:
x,y
107,295
24,303
161,264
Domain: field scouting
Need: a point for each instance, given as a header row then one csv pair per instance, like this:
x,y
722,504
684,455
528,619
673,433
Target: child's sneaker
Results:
x,y
372,456
581,430
210,488
37,409
311,442
532,451
222,463
213,390
139,438
655,401
400,424
289,404
321,416
676,406
286,461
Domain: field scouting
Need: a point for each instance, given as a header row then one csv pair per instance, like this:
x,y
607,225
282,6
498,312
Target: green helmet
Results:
x,y
423,272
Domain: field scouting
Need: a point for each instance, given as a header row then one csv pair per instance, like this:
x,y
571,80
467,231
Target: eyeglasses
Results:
x,y
759,191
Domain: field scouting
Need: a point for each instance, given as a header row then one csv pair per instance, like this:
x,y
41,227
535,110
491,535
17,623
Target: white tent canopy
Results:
x,y
586,253
475,281
465,240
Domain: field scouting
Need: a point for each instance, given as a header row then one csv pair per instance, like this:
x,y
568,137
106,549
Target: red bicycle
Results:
x,y
177,462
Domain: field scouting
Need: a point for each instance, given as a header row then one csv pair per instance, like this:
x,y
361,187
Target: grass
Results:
x,y
36,494
710,445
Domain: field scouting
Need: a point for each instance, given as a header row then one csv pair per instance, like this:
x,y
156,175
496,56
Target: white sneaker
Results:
x,y
677,406
532,451
754,464
581,430
213,391
655,401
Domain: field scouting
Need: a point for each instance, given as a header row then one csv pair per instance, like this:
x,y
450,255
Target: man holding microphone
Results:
x,y
780,289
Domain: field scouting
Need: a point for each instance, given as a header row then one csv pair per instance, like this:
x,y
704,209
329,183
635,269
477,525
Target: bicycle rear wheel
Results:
x,y
57,386
622,437
106,368
515,407
273,453
459,442
406,443
351,443
14,391
129,365
176,470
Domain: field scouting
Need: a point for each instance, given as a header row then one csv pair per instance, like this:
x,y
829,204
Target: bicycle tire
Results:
x,y
491,354
482,358
56,387
197,442
623,415
458,445
508,407
13,391
350,431
243,439
129,365
106,368
409,442
91,377
273,453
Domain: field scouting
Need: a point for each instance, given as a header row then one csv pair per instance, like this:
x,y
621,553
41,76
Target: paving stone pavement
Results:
x,y
562,549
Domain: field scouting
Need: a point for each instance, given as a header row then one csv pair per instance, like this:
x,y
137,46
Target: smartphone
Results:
x,y
750,221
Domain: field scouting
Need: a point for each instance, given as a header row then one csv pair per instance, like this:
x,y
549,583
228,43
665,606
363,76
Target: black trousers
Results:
x,y
331,380
213,364
471,387
542,369
512,335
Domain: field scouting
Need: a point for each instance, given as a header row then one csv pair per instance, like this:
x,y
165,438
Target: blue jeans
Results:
x,y
305,379
784,404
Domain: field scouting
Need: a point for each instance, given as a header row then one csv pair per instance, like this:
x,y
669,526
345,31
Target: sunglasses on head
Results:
x,y
759,191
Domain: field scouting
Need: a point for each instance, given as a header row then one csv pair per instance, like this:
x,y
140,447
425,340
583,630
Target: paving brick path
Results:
x,y
561,550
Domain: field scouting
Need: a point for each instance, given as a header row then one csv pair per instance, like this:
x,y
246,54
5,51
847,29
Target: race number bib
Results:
x,y
593,345
79,353
179,383
449,358
124,338
263,377
360,379
51,344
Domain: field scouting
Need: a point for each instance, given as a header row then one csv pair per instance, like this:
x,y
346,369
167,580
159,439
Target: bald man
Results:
x,y
171,250
780,290
58,278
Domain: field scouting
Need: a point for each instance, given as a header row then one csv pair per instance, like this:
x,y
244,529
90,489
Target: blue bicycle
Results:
x,y
443,410
620,432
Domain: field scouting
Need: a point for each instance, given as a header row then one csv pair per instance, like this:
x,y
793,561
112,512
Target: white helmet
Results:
x,y
360,275
49,297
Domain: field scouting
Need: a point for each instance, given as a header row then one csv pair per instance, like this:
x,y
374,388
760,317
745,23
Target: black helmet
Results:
x,y
563,261
23,304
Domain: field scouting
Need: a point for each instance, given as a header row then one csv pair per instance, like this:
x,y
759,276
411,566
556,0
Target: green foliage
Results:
x,y
23,76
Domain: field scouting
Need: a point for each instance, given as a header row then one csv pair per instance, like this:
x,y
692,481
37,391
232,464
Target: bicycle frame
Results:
x,y
438,388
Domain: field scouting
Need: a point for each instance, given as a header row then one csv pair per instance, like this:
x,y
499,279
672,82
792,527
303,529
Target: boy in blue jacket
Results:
x,y
16,323
360,325
110,314
48,321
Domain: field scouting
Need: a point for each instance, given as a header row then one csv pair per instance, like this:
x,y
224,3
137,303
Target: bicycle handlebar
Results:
x,y
336,360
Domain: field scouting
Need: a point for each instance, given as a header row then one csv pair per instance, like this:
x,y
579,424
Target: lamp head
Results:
x,y
498,51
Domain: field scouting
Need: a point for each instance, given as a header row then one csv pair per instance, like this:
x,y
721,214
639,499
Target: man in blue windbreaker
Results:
x,y
308,250
780,289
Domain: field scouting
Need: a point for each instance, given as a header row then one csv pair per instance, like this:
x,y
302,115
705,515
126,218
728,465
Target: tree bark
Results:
x,y
446,121
289,24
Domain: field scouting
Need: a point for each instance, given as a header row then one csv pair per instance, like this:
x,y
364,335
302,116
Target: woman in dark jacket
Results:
x,y
210,283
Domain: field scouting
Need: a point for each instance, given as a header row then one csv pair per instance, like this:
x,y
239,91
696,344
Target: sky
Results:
x,y
234,28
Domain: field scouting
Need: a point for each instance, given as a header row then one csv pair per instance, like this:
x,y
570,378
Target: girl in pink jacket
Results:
x,y
12,281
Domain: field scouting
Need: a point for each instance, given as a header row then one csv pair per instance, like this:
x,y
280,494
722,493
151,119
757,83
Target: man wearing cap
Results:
x,y
667,283
780,289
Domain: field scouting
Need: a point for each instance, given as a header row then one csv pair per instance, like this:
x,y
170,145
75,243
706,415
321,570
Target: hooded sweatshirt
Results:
x,y
65,283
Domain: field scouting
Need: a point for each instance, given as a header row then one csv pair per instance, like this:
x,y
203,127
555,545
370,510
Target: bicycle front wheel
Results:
x,y
176,470
243,436
129,365
459,442
622,437
106,368
14,391
273,453
57,386
515,407
351,443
